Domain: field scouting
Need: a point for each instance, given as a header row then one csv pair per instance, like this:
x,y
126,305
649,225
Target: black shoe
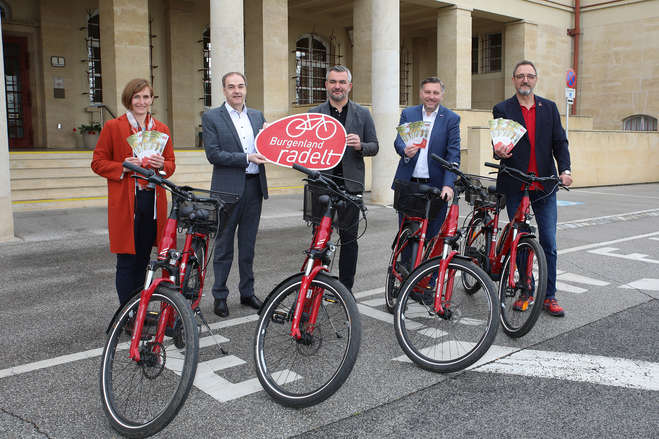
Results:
x,y
251,301
220,308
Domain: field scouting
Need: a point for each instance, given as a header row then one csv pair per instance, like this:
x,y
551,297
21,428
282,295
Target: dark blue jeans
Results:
x,y
546,215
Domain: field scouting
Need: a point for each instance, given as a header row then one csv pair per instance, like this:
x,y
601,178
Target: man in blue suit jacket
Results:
x,y
444,140
544,142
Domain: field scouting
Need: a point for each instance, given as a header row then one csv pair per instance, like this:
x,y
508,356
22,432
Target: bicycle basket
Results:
x,y
408,201
475,197
313,209
206,215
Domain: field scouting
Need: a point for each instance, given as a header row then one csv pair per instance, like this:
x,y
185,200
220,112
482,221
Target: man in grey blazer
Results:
x,y
229,132
361,142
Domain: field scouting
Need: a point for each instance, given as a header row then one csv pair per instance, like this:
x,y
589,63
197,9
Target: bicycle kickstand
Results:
x,y
205,322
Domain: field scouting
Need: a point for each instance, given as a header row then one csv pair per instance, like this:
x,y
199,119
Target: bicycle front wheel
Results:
x,y
398,269
521,303
465,330
301,373
141,397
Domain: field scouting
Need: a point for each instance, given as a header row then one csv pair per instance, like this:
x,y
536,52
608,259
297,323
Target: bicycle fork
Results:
x,y
443,294
305,294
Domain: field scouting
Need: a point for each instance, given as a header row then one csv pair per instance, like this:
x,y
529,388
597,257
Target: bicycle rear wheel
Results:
x,y
141,397
474,247
301,373
463,334
398,270
518,315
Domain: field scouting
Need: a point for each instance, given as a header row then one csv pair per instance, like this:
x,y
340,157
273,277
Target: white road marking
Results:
x,y
492,354
374,302
605,243
655,239
369,293
572,277
608,371
643,284
609,251
613,193
567,288
596,218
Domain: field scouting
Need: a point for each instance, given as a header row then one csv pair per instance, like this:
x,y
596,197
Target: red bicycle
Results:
x,y
309,331
438,324
514,257
150,356
417,203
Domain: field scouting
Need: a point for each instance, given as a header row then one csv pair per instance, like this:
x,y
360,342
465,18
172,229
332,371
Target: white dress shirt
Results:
x,y
421,167
245,133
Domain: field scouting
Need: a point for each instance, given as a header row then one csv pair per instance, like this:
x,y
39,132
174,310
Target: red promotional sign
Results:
x,y
313,140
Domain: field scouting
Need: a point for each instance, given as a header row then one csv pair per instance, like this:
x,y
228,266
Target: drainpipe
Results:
x,y
574,33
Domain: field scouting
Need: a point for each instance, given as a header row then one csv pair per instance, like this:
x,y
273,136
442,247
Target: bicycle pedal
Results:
x,y
279,317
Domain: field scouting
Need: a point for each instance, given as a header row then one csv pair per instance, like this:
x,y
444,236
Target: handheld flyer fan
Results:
x,y
414,133
147,143
505,131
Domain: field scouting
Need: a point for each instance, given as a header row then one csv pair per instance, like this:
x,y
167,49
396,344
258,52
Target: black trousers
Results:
x,y
245,217
131,269
348,215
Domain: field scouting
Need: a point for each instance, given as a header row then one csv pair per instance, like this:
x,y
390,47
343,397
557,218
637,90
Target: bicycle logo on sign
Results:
x,y
324,126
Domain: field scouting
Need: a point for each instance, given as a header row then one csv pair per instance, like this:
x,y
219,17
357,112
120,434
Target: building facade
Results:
x,y
66,62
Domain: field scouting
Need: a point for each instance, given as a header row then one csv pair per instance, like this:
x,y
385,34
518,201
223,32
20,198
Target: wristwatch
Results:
x,y
567,172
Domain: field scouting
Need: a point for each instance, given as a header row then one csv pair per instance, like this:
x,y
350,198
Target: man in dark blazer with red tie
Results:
x,y
544,142
229,132
444,140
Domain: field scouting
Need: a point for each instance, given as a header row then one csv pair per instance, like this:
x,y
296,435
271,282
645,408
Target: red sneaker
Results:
x,y
523,303
553,308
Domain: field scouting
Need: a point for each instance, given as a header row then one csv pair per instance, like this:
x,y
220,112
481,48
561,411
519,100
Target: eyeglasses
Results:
x,y
522,76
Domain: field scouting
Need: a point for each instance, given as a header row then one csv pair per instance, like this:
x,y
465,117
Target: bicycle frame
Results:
x,y
173,266
498,246
316,261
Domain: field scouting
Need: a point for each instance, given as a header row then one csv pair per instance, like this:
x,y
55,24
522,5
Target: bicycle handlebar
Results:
x,y
185,192
455,168
319,177
526,178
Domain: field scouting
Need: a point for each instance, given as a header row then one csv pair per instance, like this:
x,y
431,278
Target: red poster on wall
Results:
x,y
313,140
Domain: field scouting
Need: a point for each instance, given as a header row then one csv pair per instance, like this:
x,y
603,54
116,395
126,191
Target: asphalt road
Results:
x,y
594,373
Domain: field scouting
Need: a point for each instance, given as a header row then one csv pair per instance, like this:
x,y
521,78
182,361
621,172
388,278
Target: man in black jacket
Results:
x,y
349,173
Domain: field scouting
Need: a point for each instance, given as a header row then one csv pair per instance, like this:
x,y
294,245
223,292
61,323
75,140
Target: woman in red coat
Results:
x,y
133,225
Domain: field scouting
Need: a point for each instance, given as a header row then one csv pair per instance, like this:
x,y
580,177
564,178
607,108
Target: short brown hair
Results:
x,y
133,86
524,62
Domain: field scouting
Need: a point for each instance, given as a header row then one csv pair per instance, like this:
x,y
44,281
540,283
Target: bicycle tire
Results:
x,y
194,271
514,323
392,284
473,247
151,379
452,343
296,374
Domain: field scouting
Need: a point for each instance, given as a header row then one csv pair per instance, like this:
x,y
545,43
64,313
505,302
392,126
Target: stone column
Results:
x,y
520,42
226,24
124,46
362,30
6,212
454,55
266,56
385,84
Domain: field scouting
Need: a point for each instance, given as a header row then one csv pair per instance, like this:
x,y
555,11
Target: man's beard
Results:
x,y
336,98
526,92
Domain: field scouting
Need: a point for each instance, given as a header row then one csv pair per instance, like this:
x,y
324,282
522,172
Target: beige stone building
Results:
x,y
67,62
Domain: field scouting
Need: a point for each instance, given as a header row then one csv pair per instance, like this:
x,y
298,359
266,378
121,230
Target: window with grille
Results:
x,y
474,55
491,54
405,83
639,122
206,70
312,59
93,41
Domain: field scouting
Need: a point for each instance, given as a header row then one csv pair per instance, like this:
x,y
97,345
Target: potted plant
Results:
x,y
90,133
